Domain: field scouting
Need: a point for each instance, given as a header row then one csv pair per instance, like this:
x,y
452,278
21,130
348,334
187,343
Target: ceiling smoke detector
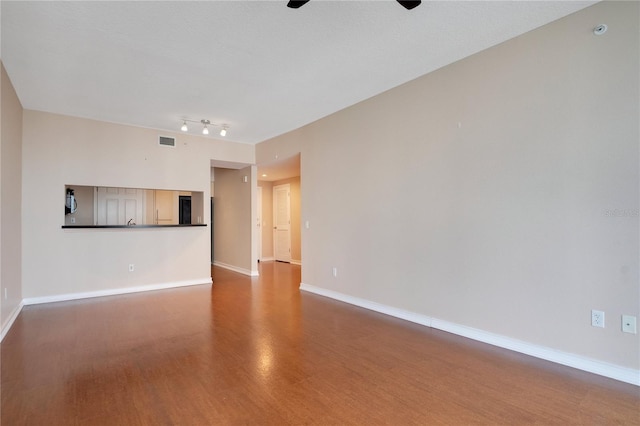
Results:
x,y
600,29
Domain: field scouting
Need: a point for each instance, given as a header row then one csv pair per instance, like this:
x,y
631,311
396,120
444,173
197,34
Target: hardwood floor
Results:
x,y
258,351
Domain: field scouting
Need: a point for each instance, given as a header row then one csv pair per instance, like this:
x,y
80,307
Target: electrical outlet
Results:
x,y
335,271
73,220
6,295
629,324
597,318
131,267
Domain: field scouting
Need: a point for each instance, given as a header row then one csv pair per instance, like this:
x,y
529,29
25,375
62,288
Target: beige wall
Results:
x,y
481,194
10,200
233,227
59,150
280,148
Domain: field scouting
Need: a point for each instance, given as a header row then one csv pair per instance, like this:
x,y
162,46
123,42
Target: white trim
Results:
x,y
272,259
112,292
260,222
367,304
236,269
10,321
623,374
591,365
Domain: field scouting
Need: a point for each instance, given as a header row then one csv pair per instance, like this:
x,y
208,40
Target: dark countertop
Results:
x,y
130,226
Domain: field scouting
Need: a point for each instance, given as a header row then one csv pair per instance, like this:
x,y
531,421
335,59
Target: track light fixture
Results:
x,y
205,126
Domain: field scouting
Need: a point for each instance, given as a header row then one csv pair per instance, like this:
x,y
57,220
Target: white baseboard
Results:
x,y
272,259
236,269
601,368
112,292
14,314
367,304
623,374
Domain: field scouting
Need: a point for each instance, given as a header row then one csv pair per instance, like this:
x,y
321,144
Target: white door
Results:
x,y
119,206
259,222
282,223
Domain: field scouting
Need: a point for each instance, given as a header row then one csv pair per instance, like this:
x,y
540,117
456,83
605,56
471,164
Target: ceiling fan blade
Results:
x,y
293,4
407,4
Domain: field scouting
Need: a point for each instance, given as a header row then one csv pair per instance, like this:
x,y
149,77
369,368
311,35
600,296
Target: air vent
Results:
x,y
167,141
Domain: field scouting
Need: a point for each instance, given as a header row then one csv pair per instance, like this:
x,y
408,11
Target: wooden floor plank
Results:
x,y
255,350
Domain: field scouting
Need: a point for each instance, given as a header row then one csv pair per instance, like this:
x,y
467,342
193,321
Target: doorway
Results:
x,y
280,180
282,222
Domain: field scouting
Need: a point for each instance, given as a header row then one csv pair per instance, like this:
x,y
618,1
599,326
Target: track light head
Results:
x,y
223,132
205,130
184,127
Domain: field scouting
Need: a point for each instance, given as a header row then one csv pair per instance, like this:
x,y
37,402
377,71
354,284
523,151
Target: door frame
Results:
x,y
259,223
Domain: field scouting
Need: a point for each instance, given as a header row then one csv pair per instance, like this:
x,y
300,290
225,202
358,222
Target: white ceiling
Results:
x,y
258,66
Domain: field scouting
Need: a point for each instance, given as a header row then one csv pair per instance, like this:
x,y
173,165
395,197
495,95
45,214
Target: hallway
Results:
x,y
258,351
